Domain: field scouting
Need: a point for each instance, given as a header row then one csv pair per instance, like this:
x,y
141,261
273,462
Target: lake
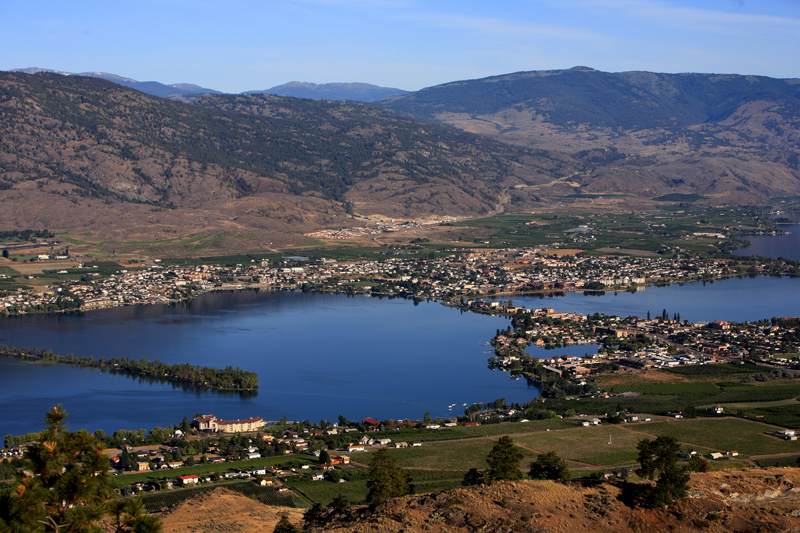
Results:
x,y
317,356
786,246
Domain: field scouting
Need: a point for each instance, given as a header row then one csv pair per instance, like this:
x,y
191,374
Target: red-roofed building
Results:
x,y
371,422
188,480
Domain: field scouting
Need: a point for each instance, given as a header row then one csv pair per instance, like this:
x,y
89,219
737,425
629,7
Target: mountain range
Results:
x,y
186,92
82,152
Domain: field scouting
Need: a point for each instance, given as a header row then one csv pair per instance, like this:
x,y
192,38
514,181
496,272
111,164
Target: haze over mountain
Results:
x,y
357,92
185,92
175,90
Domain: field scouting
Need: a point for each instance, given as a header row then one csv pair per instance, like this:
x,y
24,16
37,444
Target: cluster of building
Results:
x,y
671,342
464,273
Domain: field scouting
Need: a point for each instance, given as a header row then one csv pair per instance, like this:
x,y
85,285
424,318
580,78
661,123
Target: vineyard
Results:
x,y
266,495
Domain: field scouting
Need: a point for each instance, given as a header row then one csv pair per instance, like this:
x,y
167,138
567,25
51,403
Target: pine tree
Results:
x,y
504,461
64,487
386,479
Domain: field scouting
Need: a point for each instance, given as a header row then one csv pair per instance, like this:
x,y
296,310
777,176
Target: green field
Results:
x,y
746,437
450,455
597,445
647,231
355,490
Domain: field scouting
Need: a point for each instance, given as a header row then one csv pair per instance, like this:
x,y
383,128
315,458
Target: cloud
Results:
x,y
694,18
498,27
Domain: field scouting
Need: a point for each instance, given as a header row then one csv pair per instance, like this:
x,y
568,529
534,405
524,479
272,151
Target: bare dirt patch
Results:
x,y
627,375
225,510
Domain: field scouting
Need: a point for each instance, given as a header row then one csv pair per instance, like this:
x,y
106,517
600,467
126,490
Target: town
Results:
x,y
450,277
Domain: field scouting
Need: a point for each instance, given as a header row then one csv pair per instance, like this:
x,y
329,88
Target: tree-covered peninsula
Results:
x,y
228,378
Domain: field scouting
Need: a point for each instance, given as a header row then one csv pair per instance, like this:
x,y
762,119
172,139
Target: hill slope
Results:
x,y
78,152
732,138
723,501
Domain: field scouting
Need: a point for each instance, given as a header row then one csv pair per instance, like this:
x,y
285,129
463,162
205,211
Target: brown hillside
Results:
x,y
761,500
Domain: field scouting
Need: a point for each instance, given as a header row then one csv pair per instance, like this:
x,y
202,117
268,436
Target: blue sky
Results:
x,y
240,45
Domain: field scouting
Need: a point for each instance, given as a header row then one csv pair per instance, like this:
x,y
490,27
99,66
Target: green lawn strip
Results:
x,y
744,436
596,445
204,469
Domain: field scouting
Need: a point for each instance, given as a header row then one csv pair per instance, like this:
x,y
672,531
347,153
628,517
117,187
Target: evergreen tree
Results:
x,y
472,477
386,479
64,487
504,461
324,457
549,466
659,459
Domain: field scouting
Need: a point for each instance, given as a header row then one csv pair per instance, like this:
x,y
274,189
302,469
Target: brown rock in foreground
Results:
x,y
224,510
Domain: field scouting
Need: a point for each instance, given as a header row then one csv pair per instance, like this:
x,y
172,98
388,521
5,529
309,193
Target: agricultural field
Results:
x,y
355,489
597,446
746,437
323,492
645,231
471,432
456,455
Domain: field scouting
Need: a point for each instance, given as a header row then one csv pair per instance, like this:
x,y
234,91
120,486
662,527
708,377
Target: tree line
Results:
x,y
228,378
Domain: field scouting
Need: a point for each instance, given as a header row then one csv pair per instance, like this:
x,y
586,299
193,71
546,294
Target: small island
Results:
x,y
228,378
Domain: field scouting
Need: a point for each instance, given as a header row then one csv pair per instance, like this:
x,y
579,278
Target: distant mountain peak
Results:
x,y
354,91
154,88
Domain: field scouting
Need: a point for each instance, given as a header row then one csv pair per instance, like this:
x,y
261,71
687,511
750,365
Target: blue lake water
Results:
x,y
317,356
786,246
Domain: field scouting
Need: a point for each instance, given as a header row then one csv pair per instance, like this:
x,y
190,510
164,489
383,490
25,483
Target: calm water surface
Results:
x,y
317,356
786,246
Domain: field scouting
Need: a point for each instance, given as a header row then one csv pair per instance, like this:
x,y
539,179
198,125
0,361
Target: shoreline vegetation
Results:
x,y
226,379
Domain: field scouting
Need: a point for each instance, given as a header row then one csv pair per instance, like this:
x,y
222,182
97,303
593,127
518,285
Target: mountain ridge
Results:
x,y
186,92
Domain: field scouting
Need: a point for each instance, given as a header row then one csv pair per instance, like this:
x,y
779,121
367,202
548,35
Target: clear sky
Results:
x,y
240,45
